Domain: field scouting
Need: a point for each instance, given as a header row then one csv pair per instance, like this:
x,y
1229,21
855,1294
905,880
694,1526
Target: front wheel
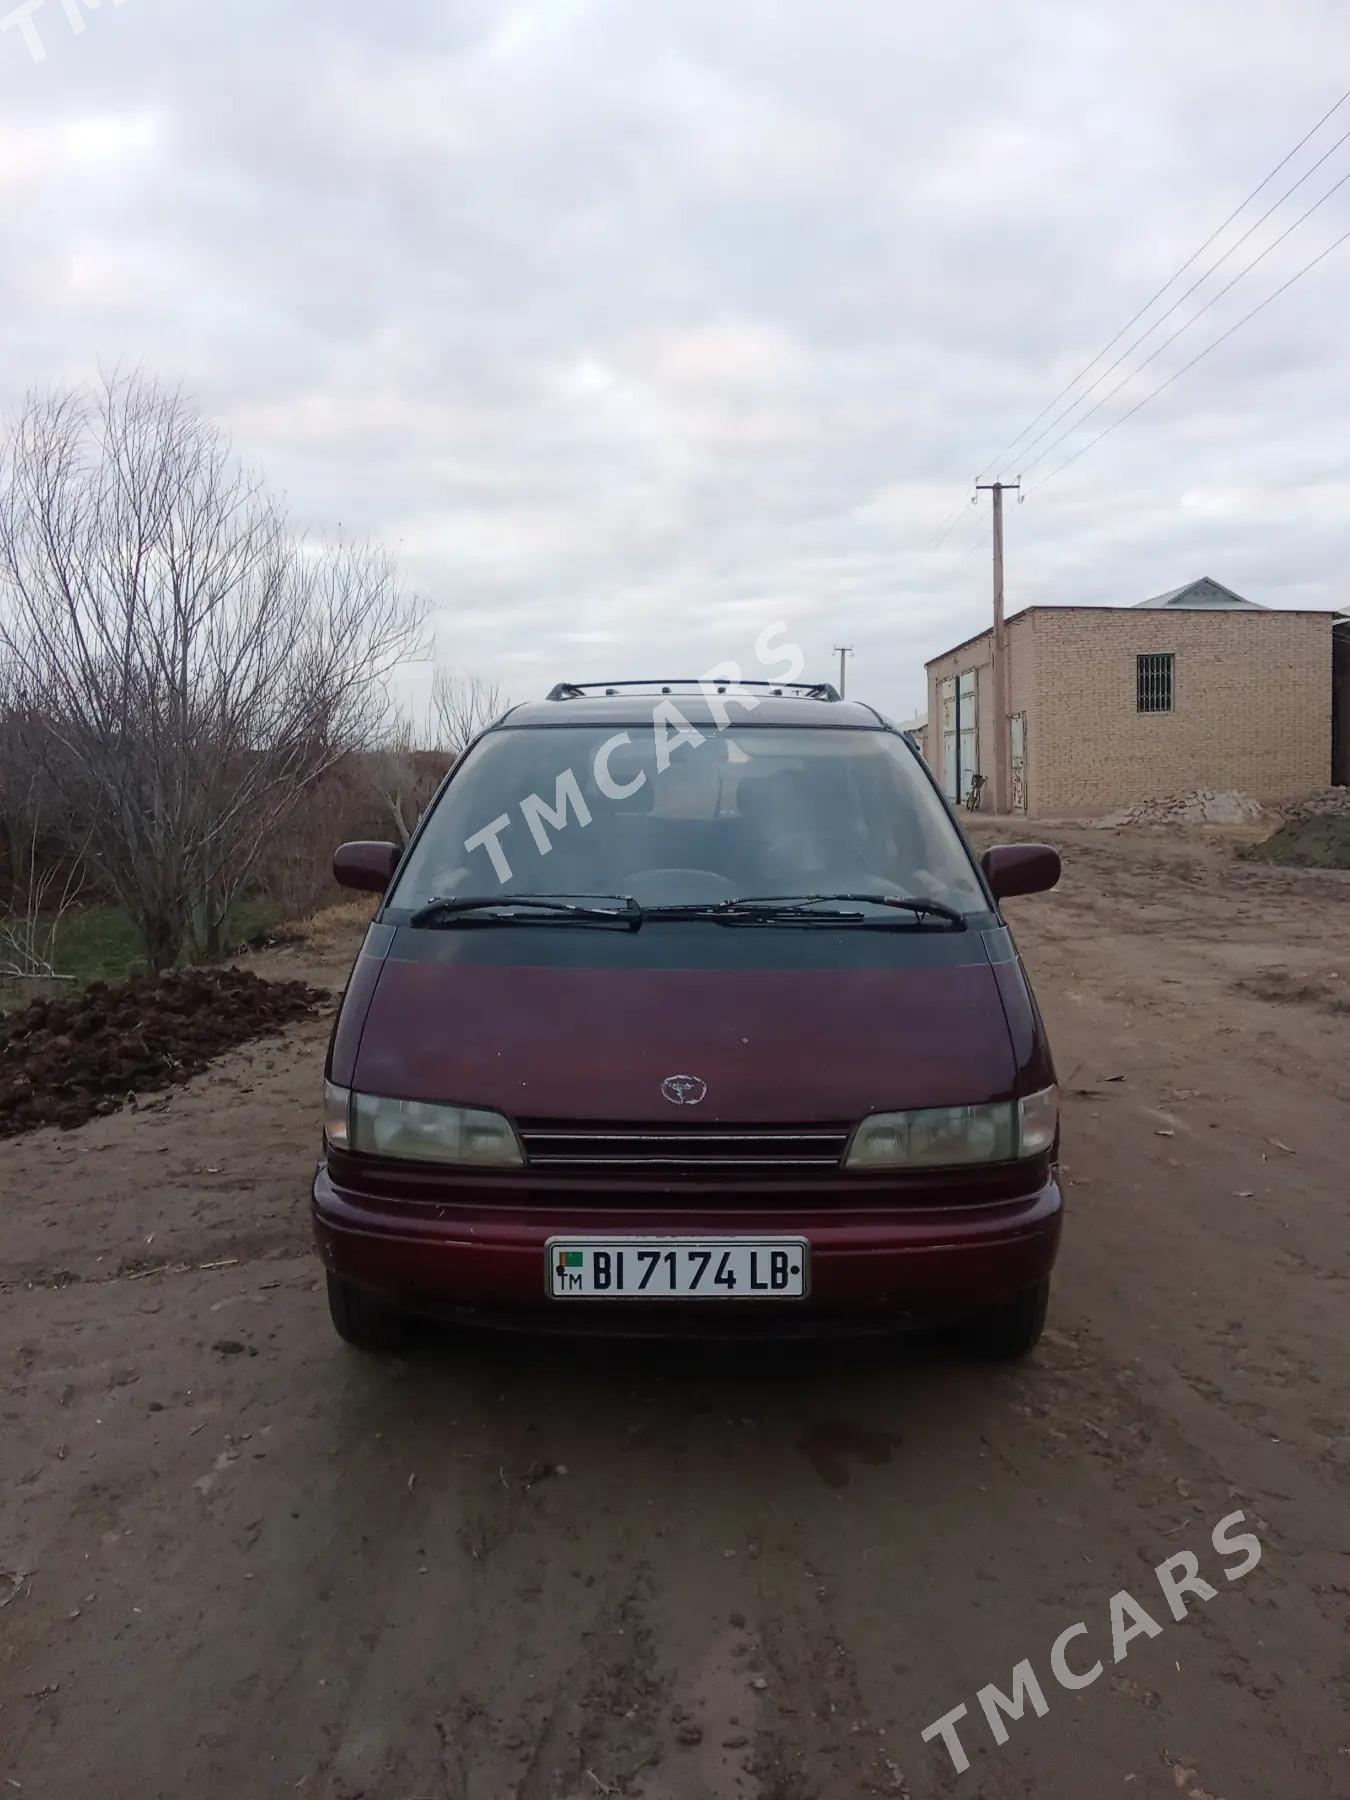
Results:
x,y
360,1319
1013,1328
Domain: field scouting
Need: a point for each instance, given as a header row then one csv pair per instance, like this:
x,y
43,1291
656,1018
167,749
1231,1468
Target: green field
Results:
x,y
99,942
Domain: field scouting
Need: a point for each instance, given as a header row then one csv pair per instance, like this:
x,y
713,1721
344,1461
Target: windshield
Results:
x,y
689,818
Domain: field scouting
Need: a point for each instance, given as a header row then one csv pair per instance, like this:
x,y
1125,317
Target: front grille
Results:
x,y
746,1150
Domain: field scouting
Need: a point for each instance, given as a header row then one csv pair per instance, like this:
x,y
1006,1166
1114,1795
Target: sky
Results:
x,y
634,326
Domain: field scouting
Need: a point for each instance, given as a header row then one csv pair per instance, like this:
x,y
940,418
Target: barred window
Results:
x,y
1153,681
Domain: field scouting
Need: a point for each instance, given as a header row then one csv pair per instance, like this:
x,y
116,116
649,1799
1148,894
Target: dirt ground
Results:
x,y
239,1560
67,1058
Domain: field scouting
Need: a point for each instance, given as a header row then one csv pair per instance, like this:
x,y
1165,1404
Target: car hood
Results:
x,y
592,1044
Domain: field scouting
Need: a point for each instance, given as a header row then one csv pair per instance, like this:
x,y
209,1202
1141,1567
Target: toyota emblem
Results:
x,y
684,1090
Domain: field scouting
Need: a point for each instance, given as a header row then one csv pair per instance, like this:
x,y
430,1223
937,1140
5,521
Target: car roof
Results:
x,y
696,707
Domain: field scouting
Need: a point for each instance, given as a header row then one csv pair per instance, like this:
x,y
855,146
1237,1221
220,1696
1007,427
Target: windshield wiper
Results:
x,y
517,909
624,911
805,909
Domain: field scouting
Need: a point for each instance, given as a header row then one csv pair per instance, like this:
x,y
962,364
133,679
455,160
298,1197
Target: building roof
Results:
x,y
1205,593
1275,612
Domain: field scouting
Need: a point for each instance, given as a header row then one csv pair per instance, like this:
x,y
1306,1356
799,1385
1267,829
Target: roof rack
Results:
x,y
807,690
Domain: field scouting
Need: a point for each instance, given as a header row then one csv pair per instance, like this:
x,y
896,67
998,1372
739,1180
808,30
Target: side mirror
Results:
x,y
366,865
1020,869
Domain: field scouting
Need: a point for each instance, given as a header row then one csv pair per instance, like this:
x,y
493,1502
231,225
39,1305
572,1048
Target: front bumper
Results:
x,y
870,1263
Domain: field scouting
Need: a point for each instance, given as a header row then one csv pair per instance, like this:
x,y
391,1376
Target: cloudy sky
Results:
x,y
637,324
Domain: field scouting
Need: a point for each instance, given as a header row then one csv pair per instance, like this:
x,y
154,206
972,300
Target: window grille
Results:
x,y
1154,681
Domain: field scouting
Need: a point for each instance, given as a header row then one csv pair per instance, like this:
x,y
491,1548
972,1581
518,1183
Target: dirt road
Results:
x,y
238,1560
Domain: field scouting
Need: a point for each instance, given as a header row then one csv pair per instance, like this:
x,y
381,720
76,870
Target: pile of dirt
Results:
x,y
1331,803
1297,990
62,1061
1197,806
1315,834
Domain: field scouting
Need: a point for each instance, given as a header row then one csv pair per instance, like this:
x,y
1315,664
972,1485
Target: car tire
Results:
x,y
362,1320
1012,1329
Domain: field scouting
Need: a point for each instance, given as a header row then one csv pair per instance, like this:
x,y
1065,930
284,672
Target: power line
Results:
x,y
946,525
949,524
1192,258
975,543
1181,299
1178,373
952,521
1130,374
978,519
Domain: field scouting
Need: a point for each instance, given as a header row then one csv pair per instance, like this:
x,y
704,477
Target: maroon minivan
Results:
x,y
690,1011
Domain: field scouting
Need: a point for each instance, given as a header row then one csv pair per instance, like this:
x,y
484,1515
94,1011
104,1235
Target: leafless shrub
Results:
x,y
183,669
38,880
39,893
400,778
350,800
461,707
402,772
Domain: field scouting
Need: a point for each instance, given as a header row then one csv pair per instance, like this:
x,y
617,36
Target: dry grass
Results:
x,y
332,928
1295,990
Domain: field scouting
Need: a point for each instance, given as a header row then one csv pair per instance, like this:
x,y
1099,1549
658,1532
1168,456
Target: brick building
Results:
x,y
1108,706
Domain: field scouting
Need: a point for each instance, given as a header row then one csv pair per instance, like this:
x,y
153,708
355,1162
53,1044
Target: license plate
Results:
x,y
652,1268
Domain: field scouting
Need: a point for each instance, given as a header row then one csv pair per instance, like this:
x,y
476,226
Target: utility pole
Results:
x,y
844,650
1001,798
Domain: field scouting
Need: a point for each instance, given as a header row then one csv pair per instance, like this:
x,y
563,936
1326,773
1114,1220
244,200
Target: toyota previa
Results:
x,y
690,1012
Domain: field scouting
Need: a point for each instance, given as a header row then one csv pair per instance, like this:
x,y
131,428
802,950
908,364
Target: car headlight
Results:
x,y
422,1130
941,1137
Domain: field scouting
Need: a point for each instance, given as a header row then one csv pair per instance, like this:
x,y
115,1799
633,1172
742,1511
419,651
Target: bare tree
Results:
x,y
461,707
39,888
31,920
400,775
403,771
184,668
39,880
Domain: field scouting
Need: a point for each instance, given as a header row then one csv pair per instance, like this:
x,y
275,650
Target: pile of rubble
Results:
x,y
1333,802
1198,806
